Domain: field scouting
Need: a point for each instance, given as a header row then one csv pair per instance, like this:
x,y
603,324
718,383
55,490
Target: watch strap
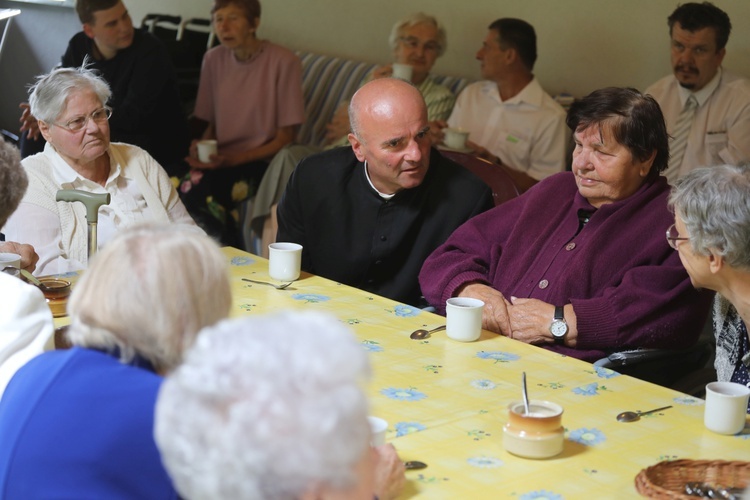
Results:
x,y
560,317
560,313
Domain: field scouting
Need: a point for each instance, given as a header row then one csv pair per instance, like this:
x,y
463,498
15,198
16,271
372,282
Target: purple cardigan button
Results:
x,y
543,284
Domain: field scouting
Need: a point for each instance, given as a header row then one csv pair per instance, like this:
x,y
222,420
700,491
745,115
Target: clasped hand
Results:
x,y
527,320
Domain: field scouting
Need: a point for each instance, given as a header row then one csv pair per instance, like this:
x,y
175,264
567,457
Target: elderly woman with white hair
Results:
x,y
71,106
78,423
711,234
264,408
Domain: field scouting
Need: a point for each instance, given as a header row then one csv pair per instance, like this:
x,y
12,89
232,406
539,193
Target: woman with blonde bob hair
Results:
x,y
134,313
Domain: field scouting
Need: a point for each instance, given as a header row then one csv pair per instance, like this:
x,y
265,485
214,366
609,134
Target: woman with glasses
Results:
x,y
579,264
71,106
711,234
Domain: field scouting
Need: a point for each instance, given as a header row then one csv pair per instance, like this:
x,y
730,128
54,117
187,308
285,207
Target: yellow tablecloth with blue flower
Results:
x,y
446,402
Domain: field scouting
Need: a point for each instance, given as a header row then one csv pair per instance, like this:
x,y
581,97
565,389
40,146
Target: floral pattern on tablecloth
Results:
x,y
404,428
483,384
447,402
485,462
589,437
310,298
591,389
372,346
409,394
540,495
404,311
498,356
241,261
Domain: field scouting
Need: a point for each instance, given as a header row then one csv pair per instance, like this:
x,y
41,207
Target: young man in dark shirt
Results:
x,y
145,97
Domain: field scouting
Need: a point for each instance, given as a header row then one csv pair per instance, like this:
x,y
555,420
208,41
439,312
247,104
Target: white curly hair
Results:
x,y
265,407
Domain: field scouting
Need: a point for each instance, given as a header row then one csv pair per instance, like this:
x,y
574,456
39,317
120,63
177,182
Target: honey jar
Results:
x,y
537,434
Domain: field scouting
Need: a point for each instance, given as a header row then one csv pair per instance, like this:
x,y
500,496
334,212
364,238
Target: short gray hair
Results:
x,y
265,407
149,292
413,20
714,204
48,97
13,180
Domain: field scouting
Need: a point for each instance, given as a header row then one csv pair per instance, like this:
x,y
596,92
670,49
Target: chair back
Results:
x,y
503,187
163,26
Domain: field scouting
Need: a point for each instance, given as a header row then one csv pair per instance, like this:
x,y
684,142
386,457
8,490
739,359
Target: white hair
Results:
x,y
149,292
714,204
265,407
413,20
48,97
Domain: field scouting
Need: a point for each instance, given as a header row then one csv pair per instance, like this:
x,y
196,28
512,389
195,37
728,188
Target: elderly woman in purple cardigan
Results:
x,y
579,263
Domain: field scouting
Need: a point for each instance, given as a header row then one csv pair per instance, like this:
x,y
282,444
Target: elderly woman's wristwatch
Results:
x,y
559,328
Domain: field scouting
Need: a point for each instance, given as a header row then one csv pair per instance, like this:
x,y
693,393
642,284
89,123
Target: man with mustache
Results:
x,y
707,109
145,96
369,214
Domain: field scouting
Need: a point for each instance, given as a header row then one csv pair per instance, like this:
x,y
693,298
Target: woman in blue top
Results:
x,y
79,423
711,234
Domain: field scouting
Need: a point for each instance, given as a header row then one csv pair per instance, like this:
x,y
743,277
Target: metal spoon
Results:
x,y
33,279
414,465
28,276
525,394
632,416
423,334
277,287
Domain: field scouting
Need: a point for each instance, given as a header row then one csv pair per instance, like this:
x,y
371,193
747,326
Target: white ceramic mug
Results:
x,y
402,71
10,260
726,407
455,138
378,426
464,318
206,148
284,261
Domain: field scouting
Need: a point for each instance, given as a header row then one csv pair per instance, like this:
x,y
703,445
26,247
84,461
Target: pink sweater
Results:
x,y
248,101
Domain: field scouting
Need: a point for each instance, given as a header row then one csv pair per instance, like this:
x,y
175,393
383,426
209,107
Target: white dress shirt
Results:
x,y
721,127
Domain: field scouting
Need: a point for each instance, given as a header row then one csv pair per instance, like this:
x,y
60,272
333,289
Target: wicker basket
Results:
x,y
667,479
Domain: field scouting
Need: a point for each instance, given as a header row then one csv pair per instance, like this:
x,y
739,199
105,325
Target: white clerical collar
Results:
x,y
703,94
382,195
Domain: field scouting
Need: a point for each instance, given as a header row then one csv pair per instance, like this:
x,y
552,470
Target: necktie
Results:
x,y
678,144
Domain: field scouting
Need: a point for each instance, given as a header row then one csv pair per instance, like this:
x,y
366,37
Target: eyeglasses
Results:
x,y
413,43
80,122
673,236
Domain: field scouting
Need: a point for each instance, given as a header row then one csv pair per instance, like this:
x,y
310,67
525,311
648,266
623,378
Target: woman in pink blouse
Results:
x,y
250,96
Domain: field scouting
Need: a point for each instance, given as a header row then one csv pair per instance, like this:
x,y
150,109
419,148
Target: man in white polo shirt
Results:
x,y
511,120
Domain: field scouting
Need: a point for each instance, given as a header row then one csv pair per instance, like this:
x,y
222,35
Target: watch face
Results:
x,y
558,328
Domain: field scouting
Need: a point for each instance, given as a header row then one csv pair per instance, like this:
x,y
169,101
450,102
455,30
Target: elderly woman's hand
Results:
x,y
29,257
530,320
389,472
217,161
495,315
28,122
